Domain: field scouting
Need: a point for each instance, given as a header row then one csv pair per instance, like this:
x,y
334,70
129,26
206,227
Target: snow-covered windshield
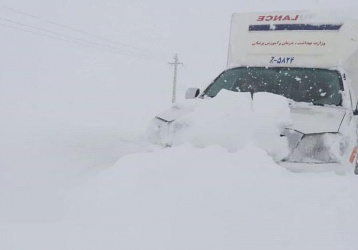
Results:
x,y
317,86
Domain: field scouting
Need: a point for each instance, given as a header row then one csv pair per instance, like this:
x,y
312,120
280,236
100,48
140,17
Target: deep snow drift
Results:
x,y
192,198
230,120
213,190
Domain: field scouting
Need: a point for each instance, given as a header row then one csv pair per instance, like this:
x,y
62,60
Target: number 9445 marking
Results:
x,y
282,60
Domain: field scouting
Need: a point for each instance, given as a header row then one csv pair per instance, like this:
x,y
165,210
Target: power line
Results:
x,y
68,41
46,35
55,33
36,33
72,29
65,37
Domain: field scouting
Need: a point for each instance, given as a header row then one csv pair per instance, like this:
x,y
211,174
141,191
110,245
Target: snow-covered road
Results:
x,y
182,198
93,187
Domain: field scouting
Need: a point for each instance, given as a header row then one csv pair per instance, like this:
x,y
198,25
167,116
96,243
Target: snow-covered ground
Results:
x,y
185,198
217,188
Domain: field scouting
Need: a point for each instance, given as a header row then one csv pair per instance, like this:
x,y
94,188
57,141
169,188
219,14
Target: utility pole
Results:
x,y
175,63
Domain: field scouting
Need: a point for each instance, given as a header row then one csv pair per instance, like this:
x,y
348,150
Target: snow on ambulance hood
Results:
x,y
306,118
316,119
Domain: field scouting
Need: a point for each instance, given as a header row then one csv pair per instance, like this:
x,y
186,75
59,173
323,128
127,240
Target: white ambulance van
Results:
x,y
309,57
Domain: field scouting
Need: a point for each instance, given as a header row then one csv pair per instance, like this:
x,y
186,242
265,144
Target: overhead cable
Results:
x,y
135,50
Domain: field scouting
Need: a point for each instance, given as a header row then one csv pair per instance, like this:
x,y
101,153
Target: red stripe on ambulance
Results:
x,y
353,155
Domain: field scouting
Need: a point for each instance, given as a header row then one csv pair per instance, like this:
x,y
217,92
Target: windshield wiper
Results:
x,y
317,104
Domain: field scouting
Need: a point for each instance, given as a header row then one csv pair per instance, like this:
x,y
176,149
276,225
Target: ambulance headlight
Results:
x,y
319,148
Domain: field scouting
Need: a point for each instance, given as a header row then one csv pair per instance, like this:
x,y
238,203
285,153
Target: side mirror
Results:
x,y
192,93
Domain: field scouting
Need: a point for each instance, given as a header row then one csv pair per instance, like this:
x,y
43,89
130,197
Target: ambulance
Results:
x,y
309,57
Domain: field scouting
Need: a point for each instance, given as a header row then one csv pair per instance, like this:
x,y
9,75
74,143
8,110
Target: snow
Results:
x,y
215,195
221,120
233,119
193,198
76,171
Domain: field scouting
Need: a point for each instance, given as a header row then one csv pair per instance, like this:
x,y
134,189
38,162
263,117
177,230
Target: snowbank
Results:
x,y
233,119
192,198
230,195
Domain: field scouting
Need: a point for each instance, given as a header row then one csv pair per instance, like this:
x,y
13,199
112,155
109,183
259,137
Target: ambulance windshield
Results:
x,y
317,86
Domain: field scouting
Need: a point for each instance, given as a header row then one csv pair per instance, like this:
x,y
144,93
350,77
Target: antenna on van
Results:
x,y
175,63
